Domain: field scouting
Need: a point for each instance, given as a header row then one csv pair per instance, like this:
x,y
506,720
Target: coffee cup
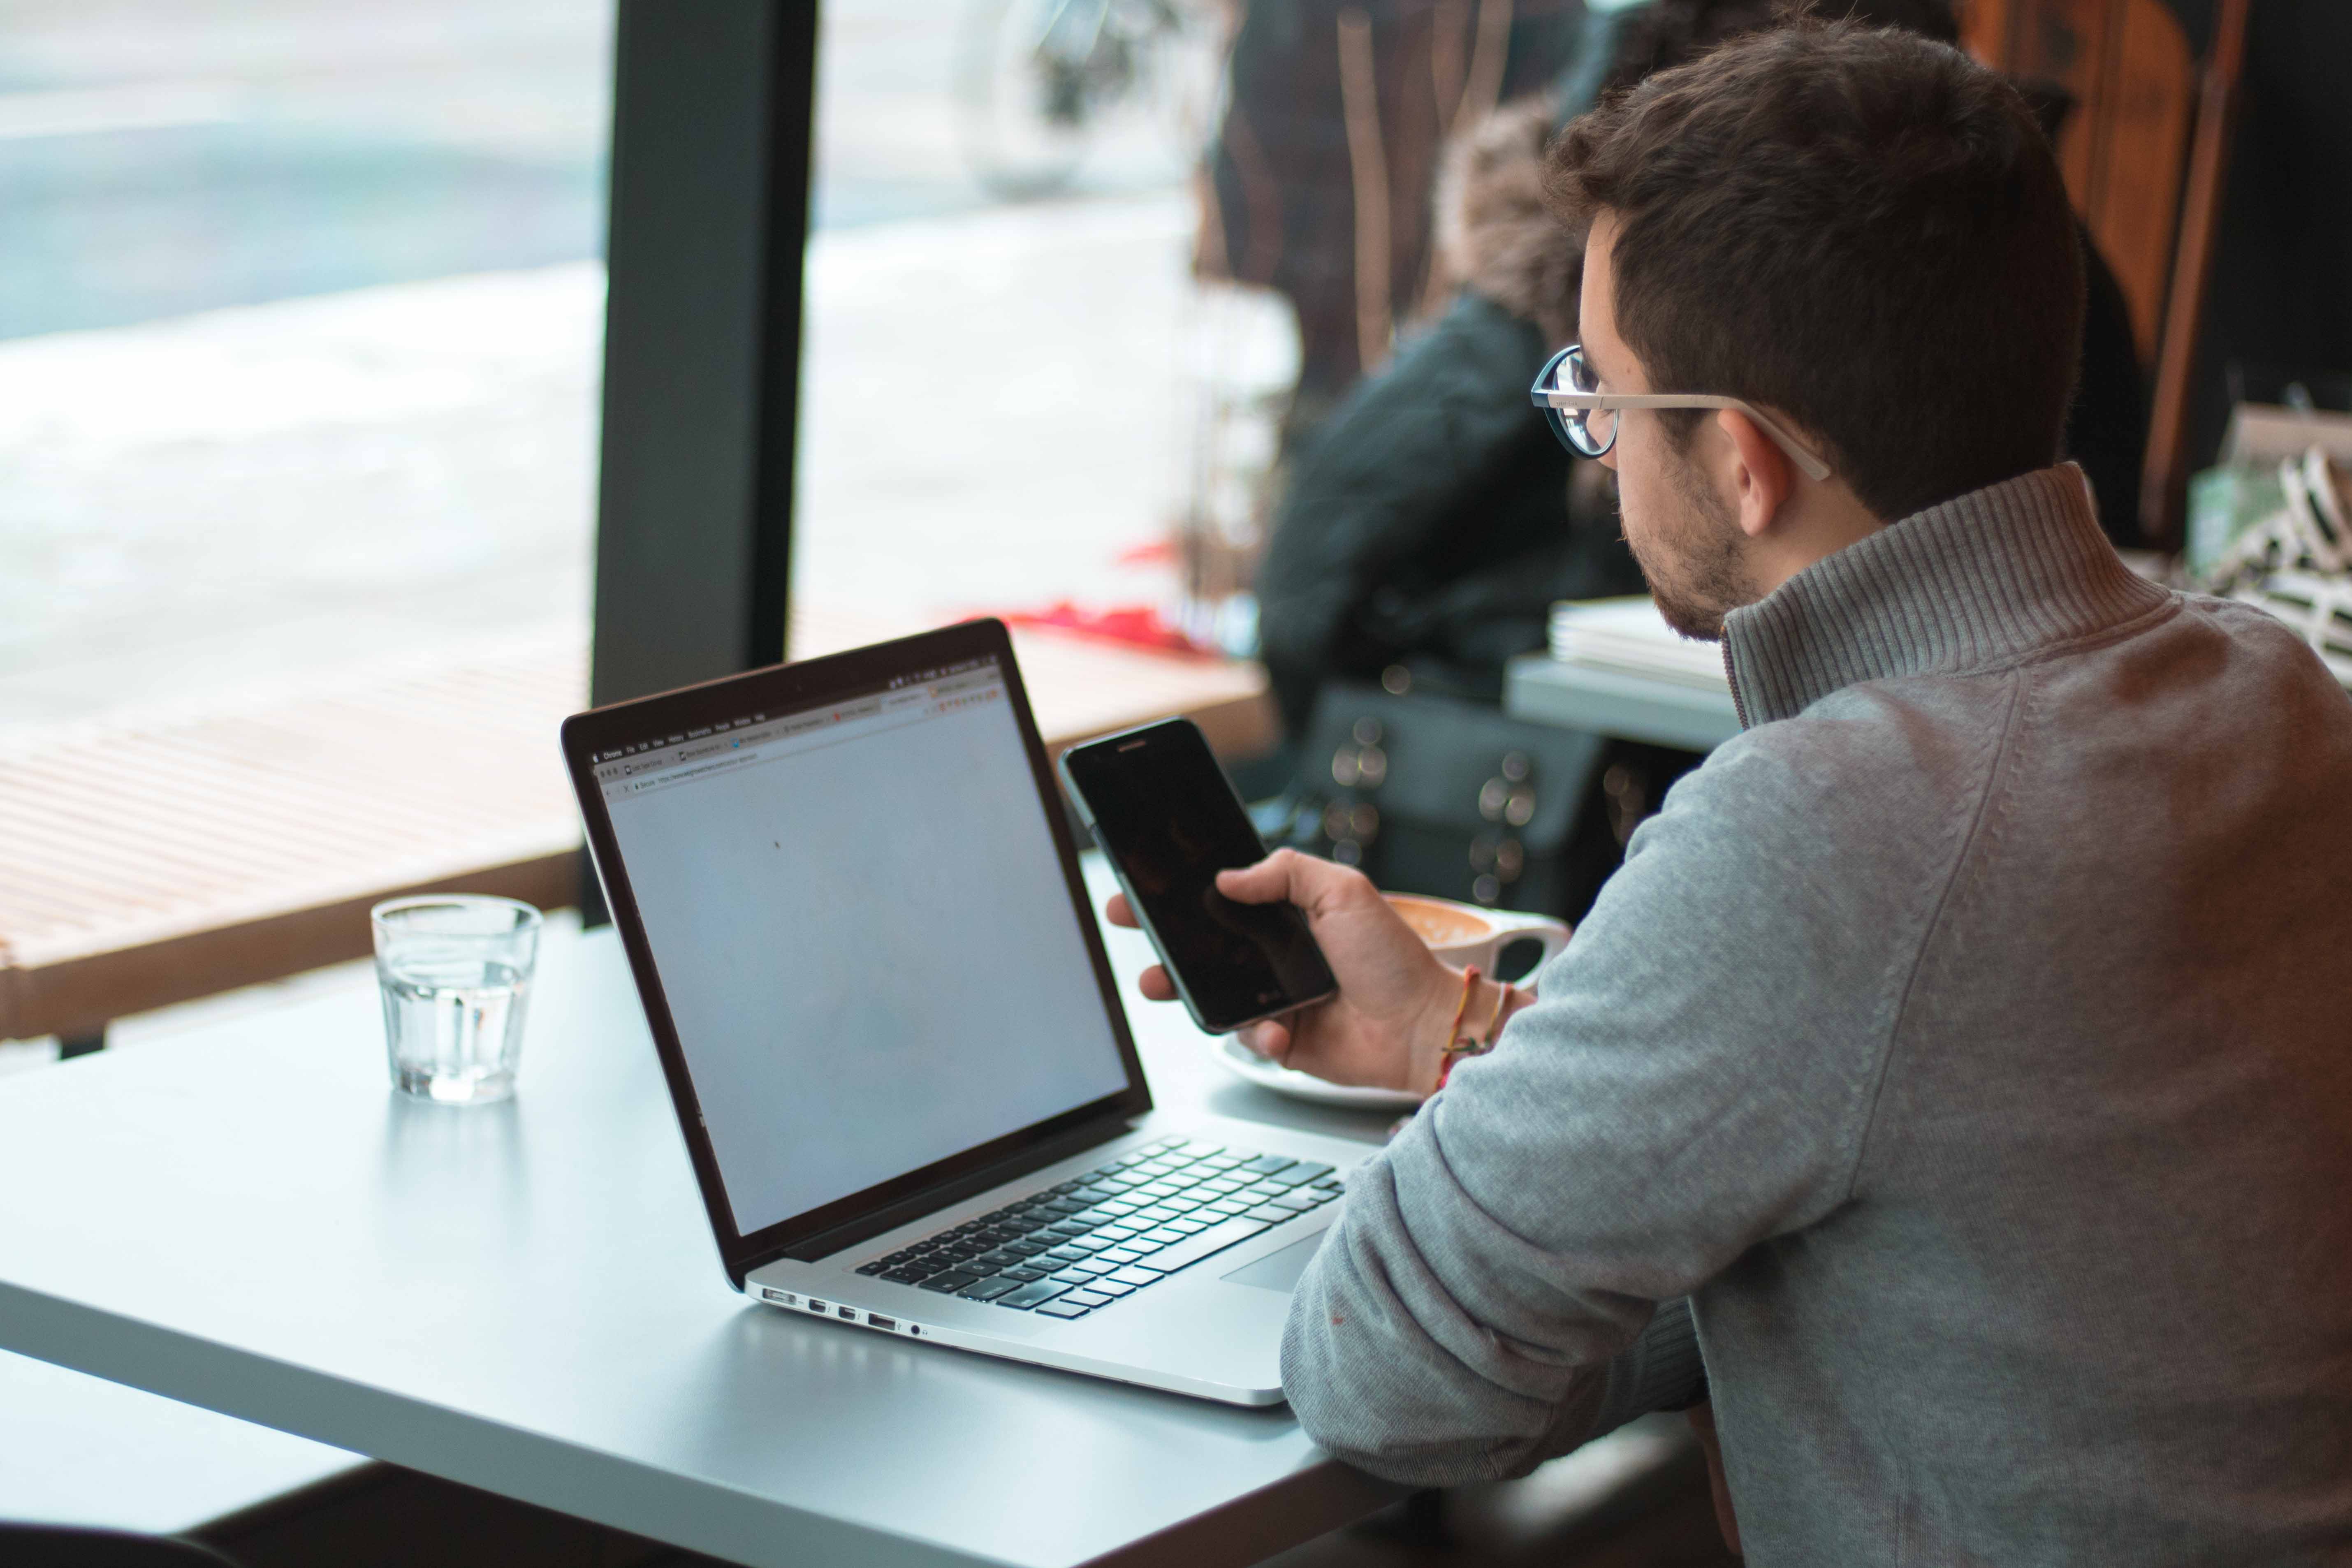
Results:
x,y
1465,935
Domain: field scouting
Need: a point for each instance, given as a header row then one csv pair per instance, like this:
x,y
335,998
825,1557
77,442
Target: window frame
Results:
x,y
713,111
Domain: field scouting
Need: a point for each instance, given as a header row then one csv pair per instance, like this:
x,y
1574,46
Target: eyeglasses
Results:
x,y
1585,418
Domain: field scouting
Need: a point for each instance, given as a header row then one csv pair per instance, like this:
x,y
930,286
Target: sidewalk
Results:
x,y
994,407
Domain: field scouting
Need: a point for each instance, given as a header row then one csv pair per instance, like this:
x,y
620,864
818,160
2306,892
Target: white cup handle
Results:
x,y
1552,933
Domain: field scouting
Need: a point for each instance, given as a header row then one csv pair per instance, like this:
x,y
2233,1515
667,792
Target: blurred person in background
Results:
x,y
1315,183
1428,525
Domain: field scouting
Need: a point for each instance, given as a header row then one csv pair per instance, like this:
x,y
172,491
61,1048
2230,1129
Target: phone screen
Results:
x,y
1164,813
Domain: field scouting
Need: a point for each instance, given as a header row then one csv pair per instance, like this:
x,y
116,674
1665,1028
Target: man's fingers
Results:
x,y
1153,982
1269,1039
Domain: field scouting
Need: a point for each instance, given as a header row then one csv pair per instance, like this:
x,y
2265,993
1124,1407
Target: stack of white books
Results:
x,y
1629,636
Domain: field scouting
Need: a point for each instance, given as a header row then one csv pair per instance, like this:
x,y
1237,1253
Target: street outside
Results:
x,y
299,339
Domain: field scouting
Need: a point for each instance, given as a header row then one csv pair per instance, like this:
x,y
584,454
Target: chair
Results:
x,y
2144,155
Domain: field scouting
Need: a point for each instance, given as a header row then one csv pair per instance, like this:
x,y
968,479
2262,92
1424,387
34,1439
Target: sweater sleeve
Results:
x,y
1694,1079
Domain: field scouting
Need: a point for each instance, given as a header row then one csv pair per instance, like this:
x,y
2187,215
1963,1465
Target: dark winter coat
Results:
x,y
1428,522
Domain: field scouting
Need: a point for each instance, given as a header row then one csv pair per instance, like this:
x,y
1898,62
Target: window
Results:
x,y
1010,376
299,315
300,318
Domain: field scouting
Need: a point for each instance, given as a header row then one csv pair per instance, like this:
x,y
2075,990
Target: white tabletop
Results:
x,y
525,1298
83,1451
1617,702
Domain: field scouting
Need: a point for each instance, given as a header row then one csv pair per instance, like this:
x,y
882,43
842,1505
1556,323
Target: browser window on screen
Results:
x,y
864,935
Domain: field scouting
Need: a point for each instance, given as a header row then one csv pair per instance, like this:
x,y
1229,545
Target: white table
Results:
x,y
82,1451
1617,702
525,1299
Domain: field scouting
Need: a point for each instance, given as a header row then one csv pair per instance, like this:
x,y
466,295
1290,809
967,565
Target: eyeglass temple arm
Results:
x,y
1813,467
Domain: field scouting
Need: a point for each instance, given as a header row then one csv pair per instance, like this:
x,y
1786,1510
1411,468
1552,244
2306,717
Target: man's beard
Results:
x,y
1696,573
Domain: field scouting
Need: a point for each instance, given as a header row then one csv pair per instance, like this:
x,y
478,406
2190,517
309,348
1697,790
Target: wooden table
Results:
x,y
156,859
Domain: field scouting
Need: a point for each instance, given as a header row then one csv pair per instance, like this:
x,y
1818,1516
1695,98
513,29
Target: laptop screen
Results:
x,y
862,929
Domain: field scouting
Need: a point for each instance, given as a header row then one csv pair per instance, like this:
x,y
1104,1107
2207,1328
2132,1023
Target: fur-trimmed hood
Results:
x,y
1496,234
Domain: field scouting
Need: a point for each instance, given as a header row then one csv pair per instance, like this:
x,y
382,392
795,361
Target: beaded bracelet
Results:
x,y
1457,1045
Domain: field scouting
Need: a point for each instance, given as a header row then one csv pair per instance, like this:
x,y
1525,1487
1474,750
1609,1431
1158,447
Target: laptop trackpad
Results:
x,y
1279,1270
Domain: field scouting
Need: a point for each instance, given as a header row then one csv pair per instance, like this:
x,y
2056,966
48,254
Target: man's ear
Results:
x,y
1762,477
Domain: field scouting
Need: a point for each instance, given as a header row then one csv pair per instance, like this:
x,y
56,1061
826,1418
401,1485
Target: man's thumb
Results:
x,y
1268,882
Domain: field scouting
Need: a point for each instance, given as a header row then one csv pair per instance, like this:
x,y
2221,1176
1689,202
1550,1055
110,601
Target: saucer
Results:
x,y
1244,1063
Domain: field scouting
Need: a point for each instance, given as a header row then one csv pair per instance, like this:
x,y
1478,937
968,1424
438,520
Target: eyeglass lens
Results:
x,y
1590,429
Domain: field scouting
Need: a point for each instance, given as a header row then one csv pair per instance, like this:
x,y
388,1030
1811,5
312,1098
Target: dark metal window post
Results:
x,y
713,103
712,116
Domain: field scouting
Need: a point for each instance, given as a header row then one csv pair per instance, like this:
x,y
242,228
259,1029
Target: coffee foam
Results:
x,y
1439,925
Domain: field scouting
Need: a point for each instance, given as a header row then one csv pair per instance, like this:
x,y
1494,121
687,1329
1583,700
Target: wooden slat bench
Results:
x,y
149,862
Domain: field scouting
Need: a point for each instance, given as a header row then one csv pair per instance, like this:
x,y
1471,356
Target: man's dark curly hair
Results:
x,y
1669,33
1857,226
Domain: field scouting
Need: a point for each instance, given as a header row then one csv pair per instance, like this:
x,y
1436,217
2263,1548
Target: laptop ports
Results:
x,y
874,1321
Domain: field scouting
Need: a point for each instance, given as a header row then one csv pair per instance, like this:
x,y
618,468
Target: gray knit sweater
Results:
x,y
1970,1041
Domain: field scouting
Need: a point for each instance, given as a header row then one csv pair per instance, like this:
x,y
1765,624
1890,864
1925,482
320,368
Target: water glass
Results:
x,y
455,969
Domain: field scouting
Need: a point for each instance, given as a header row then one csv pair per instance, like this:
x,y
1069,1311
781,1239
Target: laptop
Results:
x,y
849,894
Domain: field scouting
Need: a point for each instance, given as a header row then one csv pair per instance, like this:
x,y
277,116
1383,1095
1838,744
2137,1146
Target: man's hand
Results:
x,y
1702,1420
1386,1029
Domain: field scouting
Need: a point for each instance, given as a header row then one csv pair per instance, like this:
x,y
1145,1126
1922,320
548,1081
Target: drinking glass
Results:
x,y
455,970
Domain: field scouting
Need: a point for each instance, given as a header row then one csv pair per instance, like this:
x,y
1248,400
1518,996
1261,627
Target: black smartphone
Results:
x,y
1169,822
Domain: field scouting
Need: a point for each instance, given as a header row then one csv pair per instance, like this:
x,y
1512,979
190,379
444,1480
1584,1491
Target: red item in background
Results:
x,y
1137,626
1158,553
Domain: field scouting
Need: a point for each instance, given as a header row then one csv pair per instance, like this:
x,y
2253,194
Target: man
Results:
x,y
1967,1040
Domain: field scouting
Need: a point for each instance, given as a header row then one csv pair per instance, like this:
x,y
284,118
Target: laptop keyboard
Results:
x,y
1086,1243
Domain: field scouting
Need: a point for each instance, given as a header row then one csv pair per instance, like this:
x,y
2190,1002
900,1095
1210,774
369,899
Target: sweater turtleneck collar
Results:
x,y
1974,582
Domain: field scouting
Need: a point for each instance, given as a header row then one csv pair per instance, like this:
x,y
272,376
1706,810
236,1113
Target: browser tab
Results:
x,y
756,739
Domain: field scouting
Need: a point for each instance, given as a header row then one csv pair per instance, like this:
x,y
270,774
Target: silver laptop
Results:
x,y
849,893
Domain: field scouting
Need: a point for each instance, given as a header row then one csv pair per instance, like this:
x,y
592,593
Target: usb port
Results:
x,y
848,1312
875,1321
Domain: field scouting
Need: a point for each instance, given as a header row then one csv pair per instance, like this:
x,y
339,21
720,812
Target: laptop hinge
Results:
x,y
825,1243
